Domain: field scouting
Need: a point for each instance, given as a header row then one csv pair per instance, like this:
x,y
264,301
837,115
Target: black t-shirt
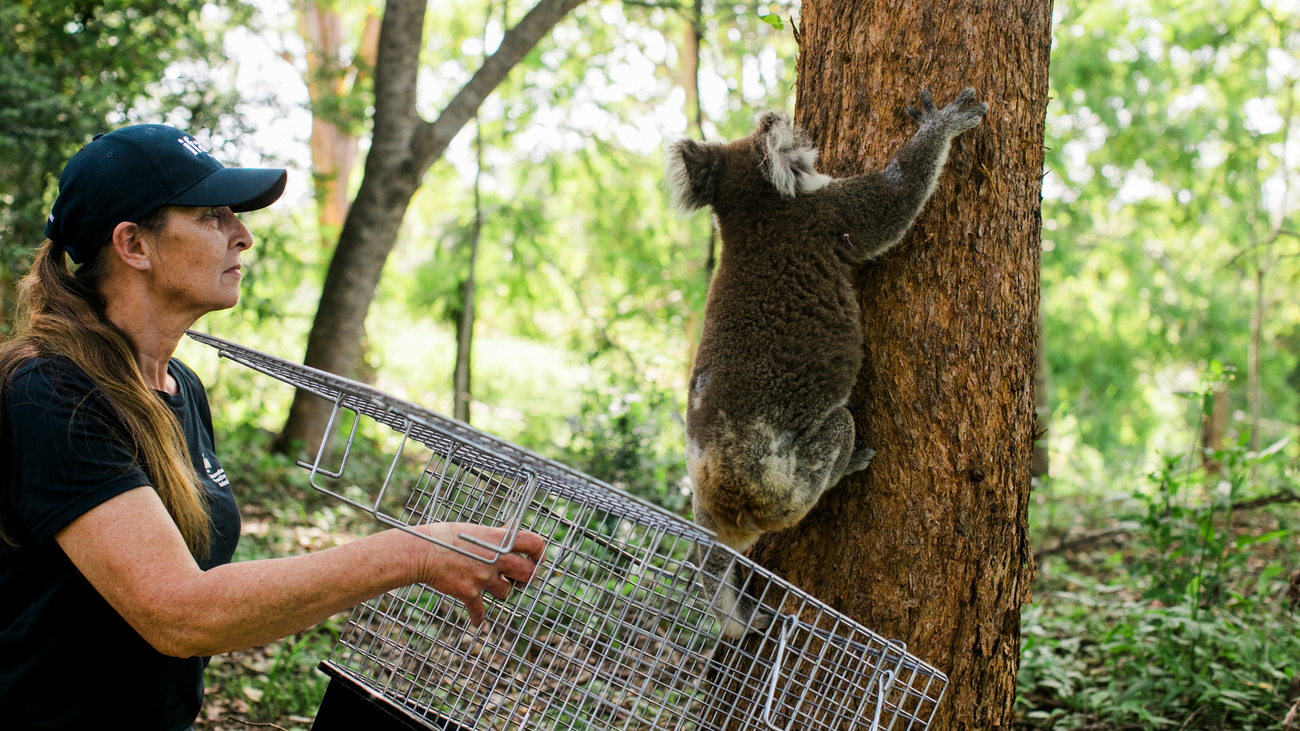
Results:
x,y
67,659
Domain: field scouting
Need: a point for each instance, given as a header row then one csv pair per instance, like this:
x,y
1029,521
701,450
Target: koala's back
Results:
x,y
785,352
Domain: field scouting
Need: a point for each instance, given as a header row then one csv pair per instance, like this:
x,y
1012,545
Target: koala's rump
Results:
x,y
775,362
754,477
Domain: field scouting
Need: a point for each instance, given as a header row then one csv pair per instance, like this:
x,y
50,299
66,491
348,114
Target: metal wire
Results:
x,y
616,630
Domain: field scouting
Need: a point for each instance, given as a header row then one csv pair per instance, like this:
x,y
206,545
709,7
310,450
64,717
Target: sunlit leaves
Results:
x,y
1167,179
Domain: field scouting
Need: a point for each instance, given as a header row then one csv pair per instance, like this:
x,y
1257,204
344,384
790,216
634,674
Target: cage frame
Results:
x,y
895,673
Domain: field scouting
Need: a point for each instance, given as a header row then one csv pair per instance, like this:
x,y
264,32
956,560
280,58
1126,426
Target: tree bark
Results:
x,y
402,148
929,545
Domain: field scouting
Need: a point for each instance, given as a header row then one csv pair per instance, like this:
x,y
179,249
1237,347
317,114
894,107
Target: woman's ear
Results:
x,y
130,246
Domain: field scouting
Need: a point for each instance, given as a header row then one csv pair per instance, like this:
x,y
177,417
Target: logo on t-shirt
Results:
x,y
218,476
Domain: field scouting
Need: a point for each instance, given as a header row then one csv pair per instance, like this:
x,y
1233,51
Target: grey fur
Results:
x,y
767,426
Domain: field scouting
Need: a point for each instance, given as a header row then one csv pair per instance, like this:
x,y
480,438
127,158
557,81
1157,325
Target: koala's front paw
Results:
x,y
962,114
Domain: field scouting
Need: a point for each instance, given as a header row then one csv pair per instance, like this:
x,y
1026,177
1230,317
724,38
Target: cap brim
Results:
x,y
243,189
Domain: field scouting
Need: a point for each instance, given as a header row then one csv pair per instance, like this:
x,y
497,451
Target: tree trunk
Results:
x,y
1213,426
690,81
929,545
402,148
329,78
1254,392
462,378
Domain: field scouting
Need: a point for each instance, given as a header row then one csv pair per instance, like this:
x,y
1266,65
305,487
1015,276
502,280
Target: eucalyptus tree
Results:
x,y
930,545
402,147
337,67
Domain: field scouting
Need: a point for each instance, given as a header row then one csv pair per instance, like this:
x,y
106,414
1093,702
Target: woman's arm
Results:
x,y
132,553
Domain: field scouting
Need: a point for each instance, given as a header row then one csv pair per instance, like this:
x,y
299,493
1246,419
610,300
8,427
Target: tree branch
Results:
x,y
1086,540
1282,496
432,138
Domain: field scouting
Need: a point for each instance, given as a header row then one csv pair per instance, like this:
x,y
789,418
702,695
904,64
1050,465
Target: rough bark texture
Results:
x,y
929,545
402,148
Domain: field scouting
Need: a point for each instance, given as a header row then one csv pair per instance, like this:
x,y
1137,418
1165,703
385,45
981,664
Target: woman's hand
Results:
x,y
467,579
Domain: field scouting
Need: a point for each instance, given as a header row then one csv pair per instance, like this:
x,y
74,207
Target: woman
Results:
x,y
117,520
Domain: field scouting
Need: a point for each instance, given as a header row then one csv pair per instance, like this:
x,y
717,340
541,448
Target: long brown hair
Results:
x,y
61,313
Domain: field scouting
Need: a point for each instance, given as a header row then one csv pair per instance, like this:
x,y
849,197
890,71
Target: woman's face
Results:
x,y
196,259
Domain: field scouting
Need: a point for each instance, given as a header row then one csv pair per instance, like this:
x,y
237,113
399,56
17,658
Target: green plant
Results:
x,y
1183,627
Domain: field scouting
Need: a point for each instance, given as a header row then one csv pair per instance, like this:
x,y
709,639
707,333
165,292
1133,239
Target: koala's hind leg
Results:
x,y
731,594
737,611
860,460
826,453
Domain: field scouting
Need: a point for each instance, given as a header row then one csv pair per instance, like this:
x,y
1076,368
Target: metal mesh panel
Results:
x,y
617,629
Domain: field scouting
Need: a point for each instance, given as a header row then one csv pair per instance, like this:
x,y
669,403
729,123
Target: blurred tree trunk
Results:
x,y
690,81
330,79
1214,425
1042,462
462,385
402,148
929,545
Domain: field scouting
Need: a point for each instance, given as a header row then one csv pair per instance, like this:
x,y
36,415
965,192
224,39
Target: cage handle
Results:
x,y
320,451
884,680
884,684
787,626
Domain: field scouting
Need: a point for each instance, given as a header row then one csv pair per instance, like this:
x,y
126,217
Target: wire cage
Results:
x,y
615,631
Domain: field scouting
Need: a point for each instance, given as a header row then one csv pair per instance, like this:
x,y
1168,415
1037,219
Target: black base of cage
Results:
x,y
349,705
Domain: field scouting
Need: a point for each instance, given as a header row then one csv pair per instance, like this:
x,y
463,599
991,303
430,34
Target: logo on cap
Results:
x,y
189,144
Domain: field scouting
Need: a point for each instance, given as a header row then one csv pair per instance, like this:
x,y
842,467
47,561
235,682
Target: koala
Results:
x,y
767,428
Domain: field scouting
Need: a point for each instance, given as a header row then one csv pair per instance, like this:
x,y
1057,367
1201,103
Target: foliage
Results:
x,y
1092,659
71,70
1165,214
625,434
1182,629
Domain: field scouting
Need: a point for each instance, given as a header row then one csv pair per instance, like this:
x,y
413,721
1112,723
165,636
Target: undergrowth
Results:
x,y
1187,624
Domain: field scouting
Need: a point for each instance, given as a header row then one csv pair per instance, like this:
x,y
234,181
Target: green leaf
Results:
x,y
773,20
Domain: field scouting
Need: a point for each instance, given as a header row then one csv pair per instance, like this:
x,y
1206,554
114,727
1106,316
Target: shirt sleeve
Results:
x,y
71,452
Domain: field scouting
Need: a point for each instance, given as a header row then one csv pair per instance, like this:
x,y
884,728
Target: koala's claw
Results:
x,y
927,107
960,115
860,460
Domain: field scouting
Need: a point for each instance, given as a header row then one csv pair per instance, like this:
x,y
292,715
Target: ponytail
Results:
x,y
61,313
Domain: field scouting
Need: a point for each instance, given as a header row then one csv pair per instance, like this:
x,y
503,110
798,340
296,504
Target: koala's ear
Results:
x,y
788,159
692,170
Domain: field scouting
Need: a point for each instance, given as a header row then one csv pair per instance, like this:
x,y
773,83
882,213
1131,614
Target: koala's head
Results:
x,y
776,161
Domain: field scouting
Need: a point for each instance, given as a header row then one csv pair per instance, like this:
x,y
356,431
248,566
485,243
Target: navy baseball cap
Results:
x,y
129,173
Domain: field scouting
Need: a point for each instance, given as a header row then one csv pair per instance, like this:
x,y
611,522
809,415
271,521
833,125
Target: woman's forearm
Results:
x,y
154,583
251,603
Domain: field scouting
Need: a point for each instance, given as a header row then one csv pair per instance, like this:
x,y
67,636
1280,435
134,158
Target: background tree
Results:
x,y
402,148
337,68
930,545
